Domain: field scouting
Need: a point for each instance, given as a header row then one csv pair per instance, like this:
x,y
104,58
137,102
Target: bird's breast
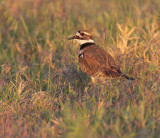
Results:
x,y
83,64
81,54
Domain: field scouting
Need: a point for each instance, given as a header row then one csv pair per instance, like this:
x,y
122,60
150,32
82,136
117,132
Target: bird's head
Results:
x,y
82,37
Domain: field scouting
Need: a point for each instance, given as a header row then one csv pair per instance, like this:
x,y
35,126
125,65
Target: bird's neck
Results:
x,y
82,46
83,41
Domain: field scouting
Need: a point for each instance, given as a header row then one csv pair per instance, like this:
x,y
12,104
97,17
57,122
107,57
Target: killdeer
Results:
x,y
94,61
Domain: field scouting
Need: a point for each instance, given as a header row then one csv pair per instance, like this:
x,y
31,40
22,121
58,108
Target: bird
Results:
x,y
95,61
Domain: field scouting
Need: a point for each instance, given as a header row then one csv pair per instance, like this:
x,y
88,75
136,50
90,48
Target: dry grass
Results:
x,y
43,93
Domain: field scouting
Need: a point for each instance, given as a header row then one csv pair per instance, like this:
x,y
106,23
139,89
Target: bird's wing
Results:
x,y
100,57
100,60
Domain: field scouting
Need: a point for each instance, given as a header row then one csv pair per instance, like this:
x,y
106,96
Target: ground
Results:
x,y
43,93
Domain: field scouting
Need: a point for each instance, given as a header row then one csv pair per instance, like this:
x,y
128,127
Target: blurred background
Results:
x,y
43,93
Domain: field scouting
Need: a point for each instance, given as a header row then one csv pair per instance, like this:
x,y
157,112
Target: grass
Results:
x,y
43,93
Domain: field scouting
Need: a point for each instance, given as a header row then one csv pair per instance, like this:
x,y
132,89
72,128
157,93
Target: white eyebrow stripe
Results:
x,y
86,33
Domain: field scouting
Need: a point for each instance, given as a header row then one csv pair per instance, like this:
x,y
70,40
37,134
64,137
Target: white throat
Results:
x,y
81,42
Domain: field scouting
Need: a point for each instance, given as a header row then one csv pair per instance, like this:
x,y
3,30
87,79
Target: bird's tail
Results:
x,y
123,75
128,78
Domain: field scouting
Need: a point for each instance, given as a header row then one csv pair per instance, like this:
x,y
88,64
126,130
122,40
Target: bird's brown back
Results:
x,y
96,61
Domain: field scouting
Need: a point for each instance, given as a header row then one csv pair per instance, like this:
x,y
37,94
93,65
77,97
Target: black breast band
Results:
x,y
86,45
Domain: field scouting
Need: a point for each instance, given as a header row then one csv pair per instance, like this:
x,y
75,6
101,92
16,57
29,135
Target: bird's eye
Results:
x,y
82,34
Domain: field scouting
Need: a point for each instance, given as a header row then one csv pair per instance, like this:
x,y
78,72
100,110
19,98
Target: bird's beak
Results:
x,y
73,37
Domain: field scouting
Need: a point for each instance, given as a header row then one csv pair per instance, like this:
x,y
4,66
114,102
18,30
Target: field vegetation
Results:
x,y
43,92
